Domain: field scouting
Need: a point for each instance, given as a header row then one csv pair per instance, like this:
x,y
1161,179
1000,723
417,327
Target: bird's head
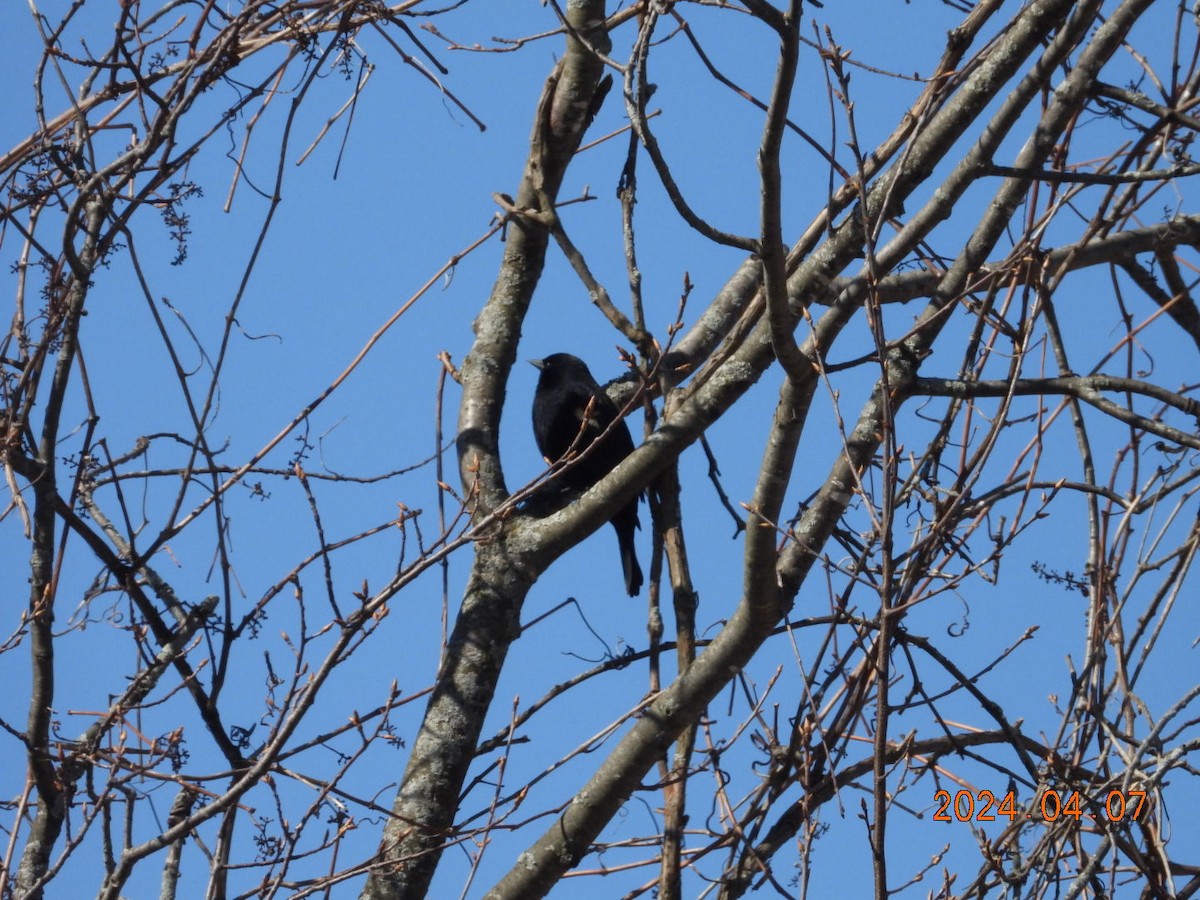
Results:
x,y
560,363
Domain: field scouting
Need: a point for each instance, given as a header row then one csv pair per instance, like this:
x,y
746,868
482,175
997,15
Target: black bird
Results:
x,y
564,391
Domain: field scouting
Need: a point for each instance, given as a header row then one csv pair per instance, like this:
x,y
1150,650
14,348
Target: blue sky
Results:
x,y
413,188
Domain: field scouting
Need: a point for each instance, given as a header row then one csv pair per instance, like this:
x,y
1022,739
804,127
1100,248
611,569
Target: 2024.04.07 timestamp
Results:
x,y
965,806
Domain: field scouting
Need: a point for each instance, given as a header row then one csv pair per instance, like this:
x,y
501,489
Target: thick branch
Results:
x,y
489,619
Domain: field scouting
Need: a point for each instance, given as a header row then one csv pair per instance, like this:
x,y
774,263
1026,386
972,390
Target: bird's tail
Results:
x,y
625,524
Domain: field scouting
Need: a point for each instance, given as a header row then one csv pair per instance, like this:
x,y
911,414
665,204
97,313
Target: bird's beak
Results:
x,y
538,363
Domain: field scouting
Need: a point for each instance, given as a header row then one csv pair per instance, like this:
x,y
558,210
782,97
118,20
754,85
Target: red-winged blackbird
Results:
x,y
564,391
